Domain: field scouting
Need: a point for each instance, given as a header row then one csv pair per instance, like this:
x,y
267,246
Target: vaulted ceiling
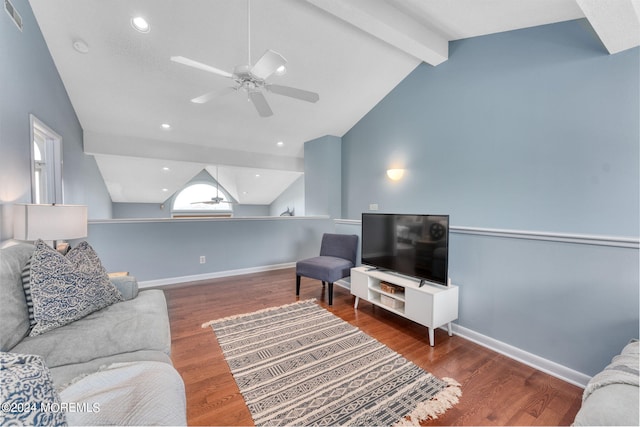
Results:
x,y
124,86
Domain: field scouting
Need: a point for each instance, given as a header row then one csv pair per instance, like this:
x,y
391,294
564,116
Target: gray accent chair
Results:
x,y
337,256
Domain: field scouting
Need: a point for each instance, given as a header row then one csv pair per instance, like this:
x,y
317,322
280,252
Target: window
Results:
x,y
201,199
46,164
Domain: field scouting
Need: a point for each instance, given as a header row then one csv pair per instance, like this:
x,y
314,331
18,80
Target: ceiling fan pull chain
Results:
x,y
249,32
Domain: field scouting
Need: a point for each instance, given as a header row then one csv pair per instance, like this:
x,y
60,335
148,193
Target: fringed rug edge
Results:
x,y
264,310
434,407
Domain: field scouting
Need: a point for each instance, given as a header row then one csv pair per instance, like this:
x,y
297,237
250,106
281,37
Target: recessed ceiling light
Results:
x,y
140,24
165,189
257,175
166,126
81,46
280,143
166,169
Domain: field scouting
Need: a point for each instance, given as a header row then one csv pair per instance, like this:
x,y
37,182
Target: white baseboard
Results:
x,y
547,366
214,275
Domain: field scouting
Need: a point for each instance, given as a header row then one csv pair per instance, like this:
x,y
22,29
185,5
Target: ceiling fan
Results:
x,y
251,78
214,200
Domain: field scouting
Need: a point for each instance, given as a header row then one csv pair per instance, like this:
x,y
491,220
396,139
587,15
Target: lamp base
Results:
x,y
63,247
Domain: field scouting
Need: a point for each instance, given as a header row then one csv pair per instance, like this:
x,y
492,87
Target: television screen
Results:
x,y
411,245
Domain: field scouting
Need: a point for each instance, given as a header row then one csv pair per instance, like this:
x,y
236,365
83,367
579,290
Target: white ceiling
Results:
x,y
352,53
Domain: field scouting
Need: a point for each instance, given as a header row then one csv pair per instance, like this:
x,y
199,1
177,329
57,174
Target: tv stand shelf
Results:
x,y
430,305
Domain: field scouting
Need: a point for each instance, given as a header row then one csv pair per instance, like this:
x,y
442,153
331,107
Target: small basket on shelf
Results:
x,y
390,288
391,302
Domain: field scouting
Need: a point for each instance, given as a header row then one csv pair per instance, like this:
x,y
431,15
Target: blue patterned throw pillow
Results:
x,y
26,286
28,395
65,289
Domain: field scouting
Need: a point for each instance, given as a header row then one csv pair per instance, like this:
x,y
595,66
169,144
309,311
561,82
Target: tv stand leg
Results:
x,y
431,343
356,303
450,328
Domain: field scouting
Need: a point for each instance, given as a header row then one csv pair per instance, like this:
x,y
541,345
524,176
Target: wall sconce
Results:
x,y
395,174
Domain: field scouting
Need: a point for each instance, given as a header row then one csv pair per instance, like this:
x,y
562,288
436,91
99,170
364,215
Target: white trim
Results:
x,y
205,219
53,157
347,221
213,275
583,239
547,366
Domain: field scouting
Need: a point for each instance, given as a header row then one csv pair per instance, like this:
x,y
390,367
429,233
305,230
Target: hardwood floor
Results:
x,y
495,389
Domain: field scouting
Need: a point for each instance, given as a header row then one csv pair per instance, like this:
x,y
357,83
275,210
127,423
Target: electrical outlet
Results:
x,y
373,207
203,259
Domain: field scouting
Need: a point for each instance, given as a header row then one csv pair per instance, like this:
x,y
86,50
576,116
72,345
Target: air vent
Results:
x,y
13,13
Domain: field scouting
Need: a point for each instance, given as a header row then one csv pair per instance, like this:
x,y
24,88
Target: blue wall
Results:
x,y
141,210
30,84
323,176
292,199
170,250
534,130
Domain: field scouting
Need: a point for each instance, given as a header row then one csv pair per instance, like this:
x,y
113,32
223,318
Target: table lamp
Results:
x,y
49,222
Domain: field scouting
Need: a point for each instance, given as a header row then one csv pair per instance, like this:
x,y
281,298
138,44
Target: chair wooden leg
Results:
x,y
297,285
330,293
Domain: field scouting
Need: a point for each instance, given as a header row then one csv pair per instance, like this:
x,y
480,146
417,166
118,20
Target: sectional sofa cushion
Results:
x,y
14,316
128,326
28,394
65,289
65,375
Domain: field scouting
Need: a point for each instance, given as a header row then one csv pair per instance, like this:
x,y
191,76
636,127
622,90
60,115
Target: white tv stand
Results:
x,y
430,305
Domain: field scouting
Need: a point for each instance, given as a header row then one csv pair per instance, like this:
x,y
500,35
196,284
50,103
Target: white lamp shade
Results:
x,y
49,222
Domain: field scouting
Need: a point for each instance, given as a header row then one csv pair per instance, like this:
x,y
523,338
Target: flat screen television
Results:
x,y
410,245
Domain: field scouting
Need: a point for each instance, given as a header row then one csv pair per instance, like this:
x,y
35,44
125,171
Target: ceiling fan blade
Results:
x,y
261,104
303,95
213,202
213,94
200,66
268,63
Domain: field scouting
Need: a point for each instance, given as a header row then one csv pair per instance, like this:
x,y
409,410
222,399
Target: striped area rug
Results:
x,y
299,364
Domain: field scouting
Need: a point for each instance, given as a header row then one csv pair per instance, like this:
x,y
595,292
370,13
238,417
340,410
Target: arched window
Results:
x,y
201,199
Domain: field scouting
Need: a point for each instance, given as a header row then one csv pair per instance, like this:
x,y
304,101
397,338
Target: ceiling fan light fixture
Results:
x,y
281,70
140,24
